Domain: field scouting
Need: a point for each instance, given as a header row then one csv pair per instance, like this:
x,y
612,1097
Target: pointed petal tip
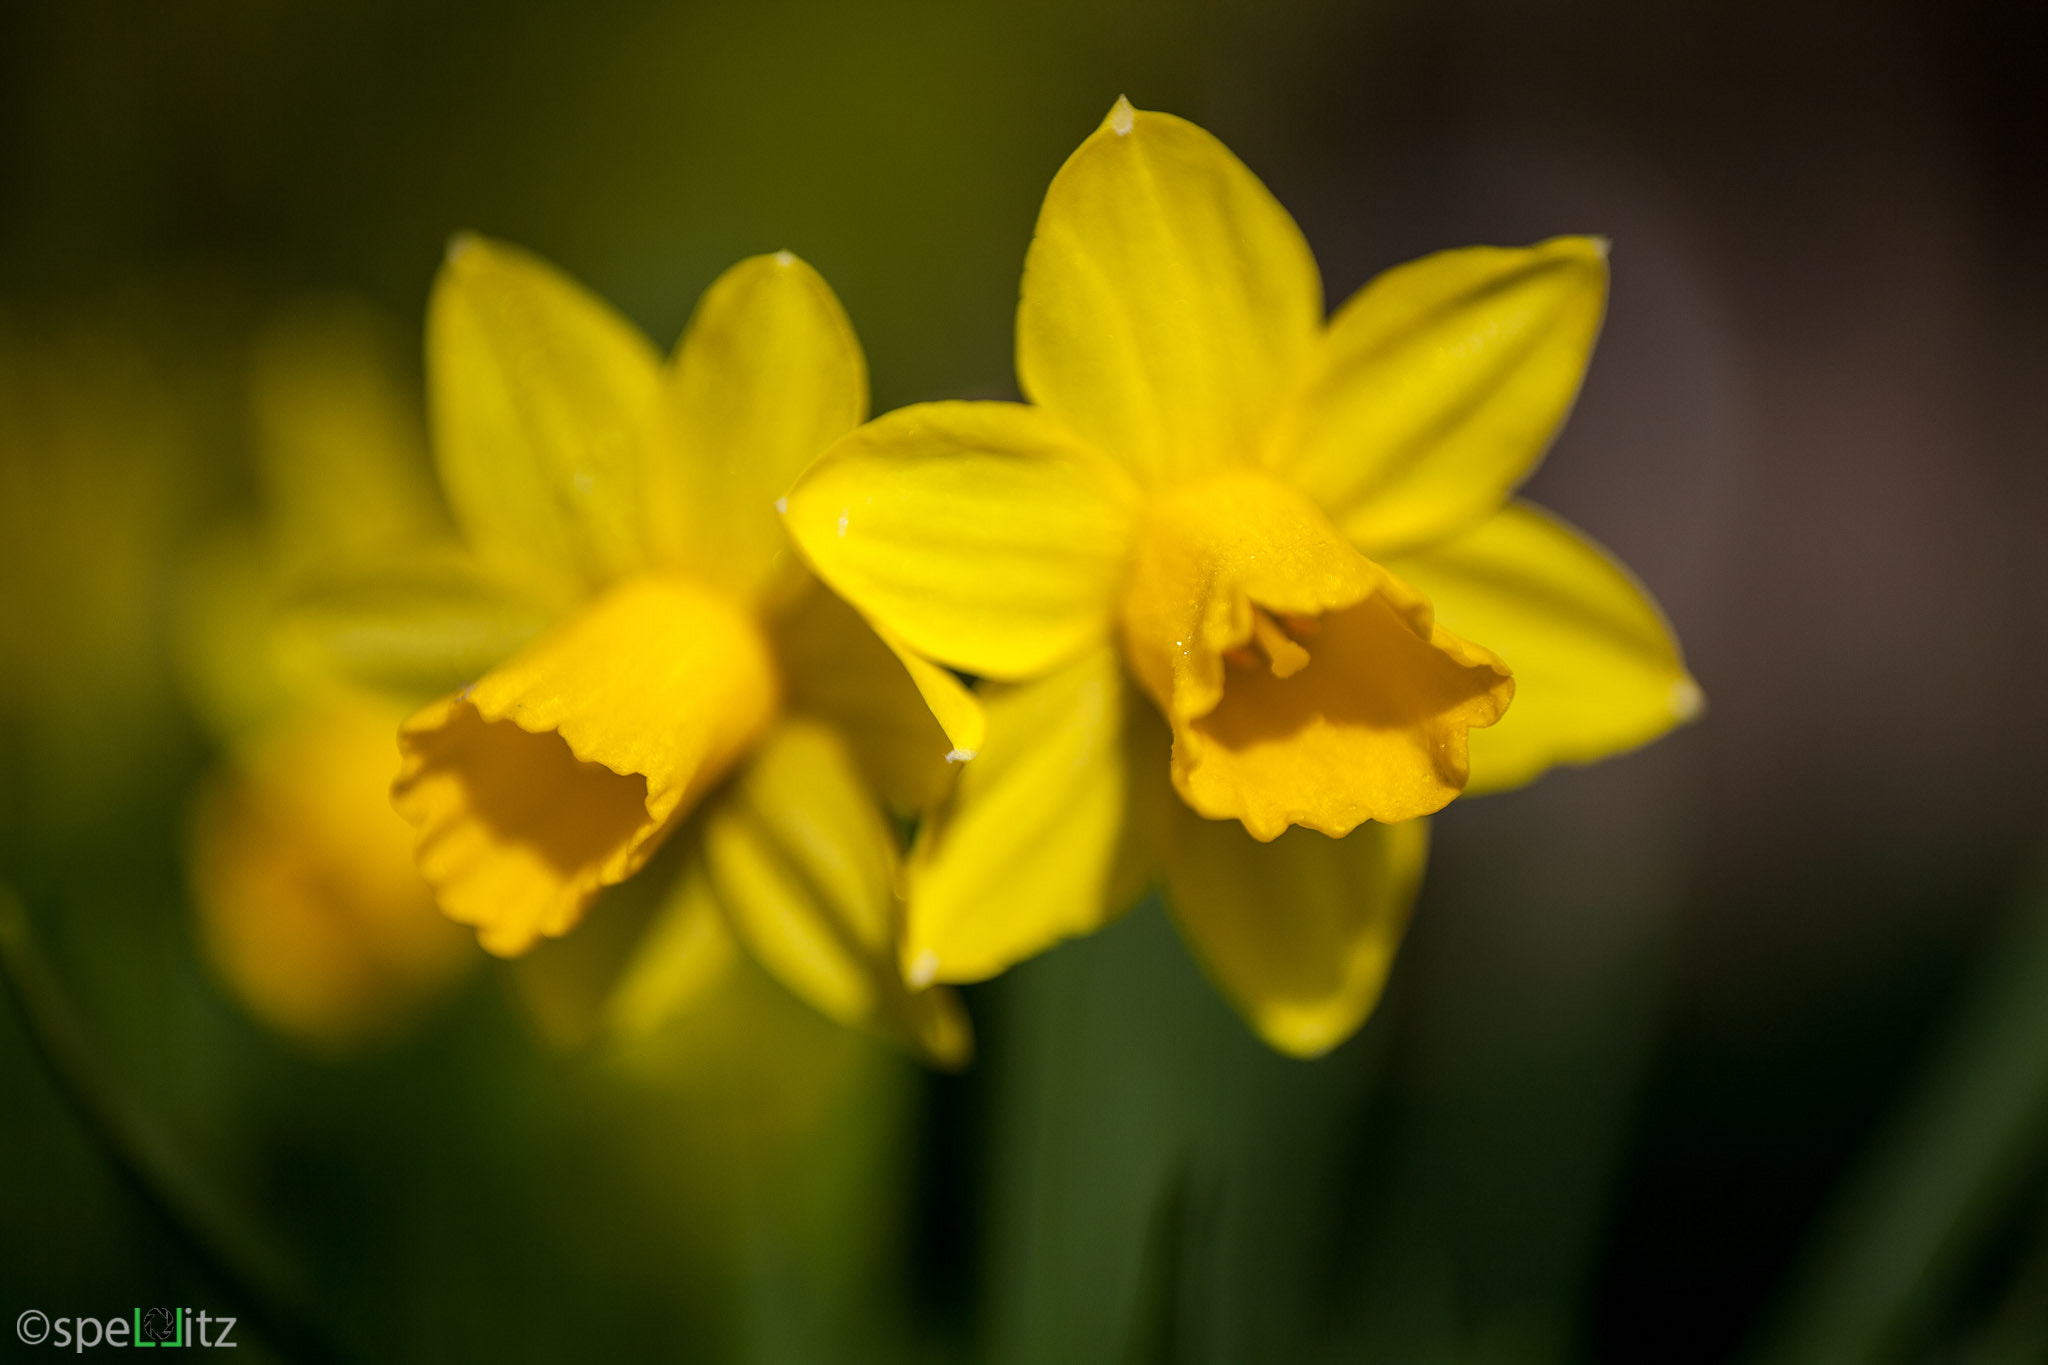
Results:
x,y
1602,245
923,970
785,257
1122,116
960,756
460,244
1688,701
1302,1044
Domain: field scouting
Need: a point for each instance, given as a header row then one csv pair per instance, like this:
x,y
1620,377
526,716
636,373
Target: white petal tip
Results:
x,y
1688,702
782,505
961,755
1602,245
924,970
1121,116
460,244
785,257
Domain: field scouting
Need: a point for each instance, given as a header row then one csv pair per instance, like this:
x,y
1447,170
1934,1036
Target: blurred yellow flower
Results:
x,y
309,906
1295,537
695,678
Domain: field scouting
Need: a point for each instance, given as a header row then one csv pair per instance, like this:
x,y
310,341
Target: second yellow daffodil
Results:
x,y
1296,538
309,906
695,678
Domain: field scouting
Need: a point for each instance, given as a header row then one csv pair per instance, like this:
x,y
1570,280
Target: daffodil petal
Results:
x,y
419,622
768,374
1440,385
539,396
1169,302
679,960
806,866
951,704
560,772
906,719
981,535
1026,851
1597,669
1299,933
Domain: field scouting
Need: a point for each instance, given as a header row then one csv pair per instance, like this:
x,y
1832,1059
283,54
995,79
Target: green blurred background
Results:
x,y
1736,1048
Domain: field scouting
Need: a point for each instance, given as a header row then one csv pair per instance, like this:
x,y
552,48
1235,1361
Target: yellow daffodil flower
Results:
x,y
694,675
309,907
1295,537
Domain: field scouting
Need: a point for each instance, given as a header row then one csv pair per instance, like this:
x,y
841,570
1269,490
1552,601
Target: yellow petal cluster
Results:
x,y
1247,589
695,683
560,772
1250,587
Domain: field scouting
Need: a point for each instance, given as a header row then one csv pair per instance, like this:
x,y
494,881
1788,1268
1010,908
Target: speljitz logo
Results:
x,y
143,1327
